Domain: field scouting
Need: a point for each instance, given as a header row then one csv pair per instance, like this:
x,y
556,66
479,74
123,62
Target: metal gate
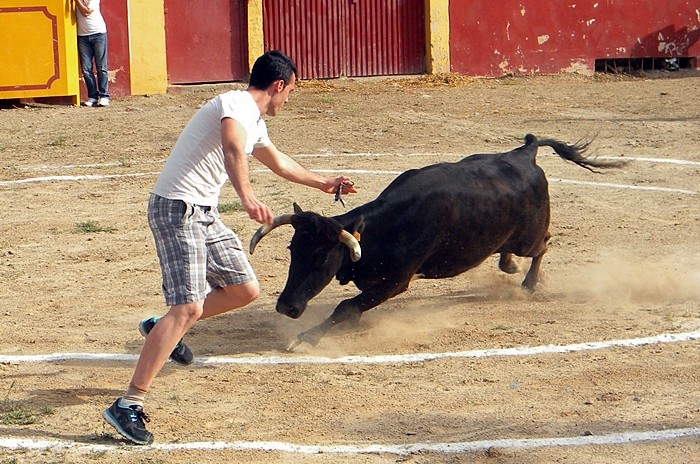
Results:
x,y
205,41
332,38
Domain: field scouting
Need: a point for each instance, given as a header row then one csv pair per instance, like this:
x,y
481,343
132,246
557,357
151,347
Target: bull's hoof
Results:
x,y
507,264
511,268
294,343
312,337
529,286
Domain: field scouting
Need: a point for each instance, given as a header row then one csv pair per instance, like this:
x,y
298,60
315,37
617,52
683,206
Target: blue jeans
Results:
x,y
94,47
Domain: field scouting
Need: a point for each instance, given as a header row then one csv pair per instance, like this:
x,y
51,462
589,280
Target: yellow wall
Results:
x,y
39,54
437,46
256,39
149,73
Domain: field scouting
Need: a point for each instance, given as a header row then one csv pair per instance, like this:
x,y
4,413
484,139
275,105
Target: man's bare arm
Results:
x,y
285,166
233,139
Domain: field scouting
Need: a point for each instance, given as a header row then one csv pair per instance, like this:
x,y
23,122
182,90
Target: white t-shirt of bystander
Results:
x,y
194,171
93,23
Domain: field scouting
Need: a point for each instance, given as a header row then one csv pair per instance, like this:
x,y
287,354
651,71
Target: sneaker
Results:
x,y
103,101
90,102
129,422
181,354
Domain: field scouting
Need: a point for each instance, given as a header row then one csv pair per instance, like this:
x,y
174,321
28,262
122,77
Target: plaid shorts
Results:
x,y
197,252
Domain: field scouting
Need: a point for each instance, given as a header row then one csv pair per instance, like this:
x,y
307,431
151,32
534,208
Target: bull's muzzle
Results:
x,y
289,310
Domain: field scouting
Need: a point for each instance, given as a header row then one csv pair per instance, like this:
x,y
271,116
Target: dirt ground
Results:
x,y
78,272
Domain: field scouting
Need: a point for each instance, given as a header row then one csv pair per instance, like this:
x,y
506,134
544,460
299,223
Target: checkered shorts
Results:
x,y
197,252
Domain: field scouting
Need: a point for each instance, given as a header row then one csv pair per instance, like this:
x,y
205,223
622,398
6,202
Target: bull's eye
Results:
x,y
319,259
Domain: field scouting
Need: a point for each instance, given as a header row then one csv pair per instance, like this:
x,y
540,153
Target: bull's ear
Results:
x,y
297,209
359,225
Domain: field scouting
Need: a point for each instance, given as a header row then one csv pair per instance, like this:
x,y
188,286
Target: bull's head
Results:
x,y
317,249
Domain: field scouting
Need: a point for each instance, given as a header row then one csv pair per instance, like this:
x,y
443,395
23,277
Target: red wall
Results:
x,y
348,37
493,38
209,47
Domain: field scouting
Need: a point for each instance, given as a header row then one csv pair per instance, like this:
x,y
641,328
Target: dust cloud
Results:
x,y
431,308
616,279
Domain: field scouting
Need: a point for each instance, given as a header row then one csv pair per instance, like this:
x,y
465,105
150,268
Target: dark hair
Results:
x,y
270,67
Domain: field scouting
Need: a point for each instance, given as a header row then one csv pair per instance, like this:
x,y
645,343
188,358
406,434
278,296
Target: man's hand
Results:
x,y
258,211
345,183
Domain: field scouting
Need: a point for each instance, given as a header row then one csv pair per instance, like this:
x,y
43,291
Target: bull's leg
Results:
x,y
349,310
345,311
507,264
532,276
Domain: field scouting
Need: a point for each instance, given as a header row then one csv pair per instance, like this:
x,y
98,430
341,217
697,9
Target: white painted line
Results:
x,y
356,171
457,156
331,171
348,171
49,167
54,357
652,160
370,155
74,178
380,359
399,449
550,179
621,186
460,156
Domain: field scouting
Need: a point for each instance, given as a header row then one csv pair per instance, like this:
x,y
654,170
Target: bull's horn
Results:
x,y
265,229
353,245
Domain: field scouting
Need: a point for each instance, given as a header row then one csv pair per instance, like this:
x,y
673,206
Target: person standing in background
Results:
x,y
92,45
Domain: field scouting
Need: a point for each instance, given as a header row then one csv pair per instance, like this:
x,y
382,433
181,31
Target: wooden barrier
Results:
x,y
39,55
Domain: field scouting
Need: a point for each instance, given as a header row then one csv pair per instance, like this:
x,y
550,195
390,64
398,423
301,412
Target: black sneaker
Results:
x,y
181,354
129,422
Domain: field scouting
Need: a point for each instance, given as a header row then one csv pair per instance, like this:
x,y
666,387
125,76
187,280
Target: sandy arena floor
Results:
x,y
622,269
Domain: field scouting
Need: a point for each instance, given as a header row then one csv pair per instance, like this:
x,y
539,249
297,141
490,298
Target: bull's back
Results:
x,y
446,218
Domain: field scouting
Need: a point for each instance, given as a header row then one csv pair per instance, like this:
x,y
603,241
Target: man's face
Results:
x,y
281,96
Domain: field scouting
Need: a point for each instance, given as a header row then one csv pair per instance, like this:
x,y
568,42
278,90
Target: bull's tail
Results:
x,y
575,153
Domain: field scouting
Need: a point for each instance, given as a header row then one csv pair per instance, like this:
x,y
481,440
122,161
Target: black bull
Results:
x,y
433,222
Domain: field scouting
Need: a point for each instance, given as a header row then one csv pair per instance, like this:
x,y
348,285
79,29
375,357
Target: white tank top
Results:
x,y
93,23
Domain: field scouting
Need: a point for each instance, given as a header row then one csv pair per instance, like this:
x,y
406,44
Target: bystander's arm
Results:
x,y
83,7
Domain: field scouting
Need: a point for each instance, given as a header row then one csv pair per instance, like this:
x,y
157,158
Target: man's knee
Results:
x,y
251,291
187,313
241,295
